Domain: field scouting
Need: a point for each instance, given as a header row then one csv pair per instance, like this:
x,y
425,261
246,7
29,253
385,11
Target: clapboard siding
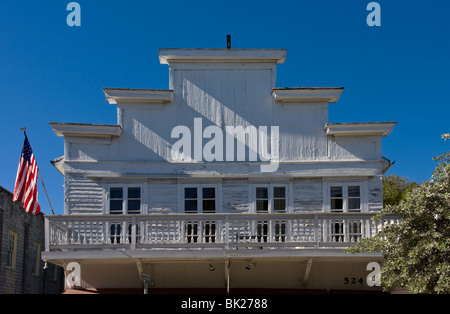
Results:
x,y
86,196
235,196
355,147
222,97
162,196
375,200
308,195
83,196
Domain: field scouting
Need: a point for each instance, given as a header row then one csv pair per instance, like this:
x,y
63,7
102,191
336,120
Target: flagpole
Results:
x,y
40,176
51,207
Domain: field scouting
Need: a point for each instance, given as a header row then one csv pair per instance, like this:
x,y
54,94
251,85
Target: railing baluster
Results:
x,y
316,231
227,232
133,233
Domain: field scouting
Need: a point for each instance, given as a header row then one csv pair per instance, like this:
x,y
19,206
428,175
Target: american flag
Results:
x,y
25,189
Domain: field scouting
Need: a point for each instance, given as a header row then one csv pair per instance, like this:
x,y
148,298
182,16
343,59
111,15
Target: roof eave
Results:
x,y
307,94
174,55
140,96
360,129
86,130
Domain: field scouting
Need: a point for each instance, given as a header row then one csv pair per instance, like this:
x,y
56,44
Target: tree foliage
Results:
x,y
417,249
395,189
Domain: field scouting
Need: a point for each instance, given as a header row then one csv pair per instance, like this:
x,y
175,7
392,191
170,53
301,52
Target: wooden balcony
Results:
x,y
221,232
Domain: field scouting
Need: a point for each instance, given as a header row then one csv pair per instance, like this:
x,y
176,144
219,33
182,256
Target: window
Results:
x,y
209,200
271,198
197,200
134,200
262,200
190,200
36,258
12,249
345,197
337,199
125,200
200,199
116,200
354,198
279,199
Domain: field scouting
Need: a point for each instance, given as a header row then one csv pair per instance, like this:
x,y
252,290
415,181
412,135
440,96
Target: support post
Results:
x,y
145,278
307,272
227,275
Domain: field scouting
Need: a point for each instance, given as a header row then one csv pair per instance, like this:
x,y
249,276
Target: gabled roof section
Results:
x,y
173,55
307,94
106,131
138,96
358,129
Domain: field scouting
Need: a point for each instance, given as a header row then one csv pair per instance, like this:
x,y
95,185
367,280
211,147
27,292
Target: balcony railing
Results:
x,y
226,231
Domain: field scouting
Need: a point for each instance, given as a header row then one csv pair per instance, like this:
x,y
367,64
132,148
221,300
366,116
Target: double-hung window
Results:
x,y
125,199
270,198
12,250
35,258
200,199
345,197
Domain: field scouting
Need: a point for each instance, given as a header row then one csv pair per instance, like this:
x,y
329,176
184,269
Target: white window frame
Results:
x,y
270,194
124,187
363,190
200,186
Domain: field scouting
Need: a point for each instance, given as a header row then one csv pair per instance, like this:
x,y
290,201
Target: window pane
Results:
x,y
134,192
190,192
11,253
11,238
279,205
115,193
10,260
190,206
209,193
115,206
353,191
262,205
134,206
261,193
336,204
336,191
354,203
279,192
209,206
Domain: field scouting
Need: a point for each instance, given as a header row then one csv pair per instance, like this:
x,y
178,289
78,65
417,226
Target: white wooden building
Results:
x,y
168,198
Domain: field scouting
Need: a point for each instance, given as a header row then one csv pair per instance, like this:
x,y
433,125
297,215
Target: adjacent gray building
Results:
x,y
22,240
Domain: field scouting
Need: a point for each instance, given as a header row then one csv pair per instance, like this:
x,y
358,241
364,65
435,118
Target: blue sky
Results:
x,y
50,72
